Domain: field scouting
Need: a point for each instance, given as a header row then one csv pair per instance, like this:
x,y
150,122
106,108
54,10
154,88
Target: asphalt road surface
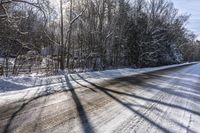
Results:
x,y
161,101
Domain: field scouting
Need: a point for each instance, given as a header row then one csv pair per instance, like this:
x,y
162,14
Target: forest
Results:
x,y
89,35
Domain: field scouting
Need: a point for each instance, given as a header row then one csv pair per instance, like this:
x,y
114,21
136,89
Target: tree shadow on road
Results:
x,y
191,93
110,93
23,103
23,106
85,123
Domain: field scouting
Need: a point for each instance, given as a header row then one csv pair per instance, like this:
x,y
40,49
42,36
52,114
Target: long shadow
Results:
x,y
141,98
171,91
85,123
22,107
82,84
183,81
82,114
84,119
187,128
140,80
37,95
107,92
158,76
141,106
6,86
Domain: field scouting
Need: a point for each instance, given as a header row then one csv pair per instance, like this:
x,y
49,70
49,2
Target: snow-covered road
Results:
x,y
160,101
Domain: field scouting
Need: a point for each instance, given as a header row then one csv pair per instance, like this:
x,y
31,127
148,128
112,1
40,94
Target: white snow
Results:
x,y
10,61
22,84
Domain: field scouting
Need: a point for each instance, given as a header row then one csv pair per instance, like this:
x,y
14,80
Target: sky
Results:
x,y
191,7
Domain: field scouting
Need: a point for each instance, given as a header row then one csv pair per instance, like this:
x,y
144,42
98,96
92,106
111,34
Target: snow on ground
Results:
x,y
26,87
166,101
8,84
10,61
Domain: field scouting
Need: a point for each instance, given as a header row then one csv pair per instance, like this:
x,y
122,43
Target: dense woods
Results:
x,y
80,35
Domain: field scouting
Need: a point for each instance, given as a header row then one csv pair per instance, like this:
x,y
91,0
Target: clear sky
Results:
x,y
191,7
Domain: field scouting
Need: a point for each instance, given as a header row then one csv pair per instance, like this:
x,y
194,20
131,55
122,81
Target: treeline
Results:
x,y
95,34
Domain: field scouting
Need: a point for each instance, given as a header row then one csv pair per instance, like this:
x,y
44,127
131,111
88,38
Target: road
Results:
x,y
160,101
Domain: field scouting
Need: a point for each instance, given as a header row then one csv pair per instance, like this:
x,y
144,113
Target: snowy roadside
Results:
x,y
20,85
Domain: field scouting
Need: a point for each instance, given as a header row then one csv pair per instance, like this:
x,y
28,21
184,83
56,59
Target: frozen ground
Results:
x,y
12,84
165,101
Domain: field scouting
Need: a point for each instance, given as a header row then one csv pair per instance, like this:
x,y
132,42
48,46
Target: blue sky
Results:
x,y
191,7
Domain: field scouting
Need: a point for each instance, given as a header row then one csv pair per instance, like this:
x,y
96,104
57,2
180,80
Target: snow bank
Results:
x,y
27,82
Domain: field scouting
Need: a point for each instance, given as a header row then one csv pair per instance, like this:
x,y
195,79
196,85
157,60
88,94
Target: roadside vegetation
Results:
x,y
86,35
